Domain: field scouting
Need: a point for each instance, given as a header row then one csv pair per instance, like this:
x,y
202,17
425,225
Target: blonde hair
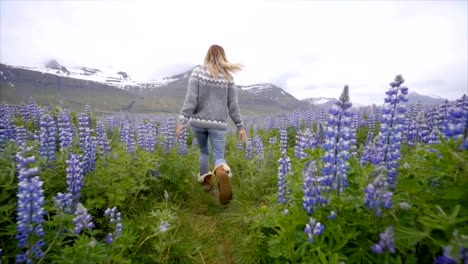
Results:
x,y
216,61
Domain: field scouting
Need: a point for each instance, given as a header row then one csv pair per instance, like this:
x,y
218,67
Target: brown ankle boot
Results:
x,y
223,173
206,181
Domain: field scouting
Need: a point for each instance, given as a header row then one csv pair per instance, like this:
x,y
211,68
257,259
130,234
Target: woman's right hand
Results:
x,y
243,135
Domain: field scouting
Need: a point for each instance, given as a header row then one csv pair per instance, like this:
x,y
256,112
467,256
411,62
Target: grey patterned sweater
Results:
x,y
208,101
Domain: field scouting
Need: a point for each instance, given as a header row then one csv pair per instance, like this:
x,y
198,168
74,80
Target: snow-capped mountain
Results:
x,y
415,98
319,100
119,79
268,91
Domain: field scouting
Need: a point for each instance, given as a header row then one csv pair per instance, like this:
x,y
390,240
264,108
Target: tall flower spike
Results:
x,y
127,137
258,145
337,144
301,145
170,135
150,139
20,135
142,132
115,218
30,208
249,149
391,127
284,169
103,143
183,141
47,138
74,179
283,140
457,126
65,129
313,188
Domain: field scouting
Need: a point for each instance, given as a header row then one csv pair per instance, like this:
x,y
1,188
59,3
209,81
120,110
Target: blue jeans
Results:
x,y
217,139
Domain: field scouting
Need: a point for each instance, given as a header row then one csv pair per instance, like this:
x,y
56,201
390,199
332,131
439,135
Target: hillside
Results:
x,y
18,84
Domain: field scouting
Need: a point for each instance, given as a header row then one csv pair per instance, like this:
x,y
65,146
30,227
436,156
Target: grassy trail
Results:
x,y
207,222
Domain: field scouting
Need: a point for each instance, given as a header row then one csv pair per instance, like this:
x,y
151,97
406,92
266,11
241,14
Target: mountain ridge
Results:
x,y
261,97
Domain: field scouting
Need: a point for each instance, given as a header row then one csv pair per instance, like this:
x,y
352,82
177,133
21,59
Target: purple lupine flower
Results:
x,y
391,128
170,134
312,187
183,141
6,127
65,129
443,116
313,228
249,149
432,116
90,155
411,132
115,218
352,138
127,137
320,135
377,194
84,130
141,136
371,126
337,144
47,138
434,136
111,123
150,139
424,128
301,144
386,242
82,219
310,139
257,145
103,143
25,113
457,126
284,169
30,208
372,153
163,226
446,258
63,202
34,111
239,144
283,140
74,179
20,135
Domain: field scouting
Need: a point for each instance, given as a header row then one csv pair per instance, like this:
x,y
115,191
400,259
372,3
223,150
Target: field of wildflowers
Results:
x,y
380,184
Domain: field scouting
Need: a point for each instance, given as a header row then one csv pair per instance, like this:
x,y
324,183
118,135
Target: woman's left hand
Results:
x,y
177,129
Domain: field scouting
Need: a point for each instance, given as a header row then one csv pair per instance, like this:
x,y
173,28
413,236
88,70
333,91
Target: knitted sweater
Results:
x,y
208,101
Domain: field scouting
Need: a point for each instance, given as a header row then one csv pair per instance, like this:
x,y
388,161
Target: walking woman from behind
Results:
x,y
211,96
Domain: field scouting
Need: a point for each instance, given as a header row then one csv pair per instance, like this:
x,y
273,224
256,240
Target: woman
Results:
x,y
211,96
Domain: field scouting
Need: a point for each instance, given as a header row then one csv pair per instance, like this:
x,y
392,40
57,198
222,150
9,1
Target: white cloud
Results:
x,y
295,44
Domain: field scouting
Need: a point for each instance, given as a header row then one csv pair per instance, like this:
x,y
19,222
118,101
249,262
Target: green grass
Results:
x,y
254,227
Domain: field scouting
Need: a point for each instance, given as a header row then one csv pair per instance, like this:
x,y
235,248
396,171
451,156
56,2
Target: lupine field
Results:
x,y
380,184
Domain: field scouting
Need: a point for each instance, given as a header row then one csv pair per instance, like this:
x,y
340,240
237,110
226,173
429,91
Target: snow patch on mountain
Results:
x,y
319,100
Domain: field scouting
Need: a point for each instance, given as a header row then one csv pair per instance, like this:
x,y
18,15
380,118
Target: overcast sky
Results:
x,y
309,48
